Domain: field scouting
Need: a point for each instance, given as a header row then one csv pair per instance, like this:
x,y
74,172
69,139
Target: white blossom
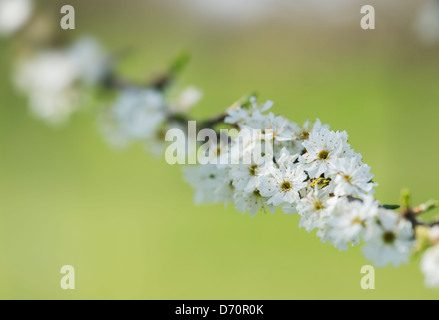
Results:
x,y
282,129
348,220
205,179
308,127
284,157
186,100
252,202
49,80
430,267
250,116
426,23
225,192
91,61
314,209
246,177
282,184
390,240
13,15
270,163
228,13
323,148
135,116
52,79
352,177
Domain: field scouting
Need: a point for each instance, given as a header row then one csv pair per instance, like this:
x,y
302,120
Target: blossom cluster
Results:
x,y
311,171
56,80
308,170
143,115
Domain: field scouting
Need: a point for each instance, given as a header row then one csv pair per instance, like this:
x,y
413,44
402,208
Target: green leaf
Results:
x,y
391,206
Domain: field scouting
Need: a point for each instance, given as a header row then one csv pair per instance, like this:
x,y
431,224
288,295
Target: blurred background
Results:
x,y
126,220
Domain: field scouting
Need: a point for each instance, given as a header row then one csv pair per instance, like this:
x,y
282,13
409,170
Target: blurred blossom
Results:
x,y
187,99
232,13
427,23
228,13
52,79
430,267
48,79
391,241
318,10
136,116
92,62
13,15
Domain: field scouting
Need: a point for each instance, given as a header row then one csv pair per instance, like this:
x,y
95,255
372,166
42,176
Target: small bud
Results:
x,y
427,206
405,198
187,99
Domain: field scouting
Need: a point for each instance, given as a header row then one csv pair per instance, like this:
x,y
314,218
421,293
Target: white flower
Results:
x,y
287,134
427,23
249,147
228,14
313,209
286,158
225,191
49,80
246,177
215,151
250,162
352,177
205,179
52,79
282,130
282,185
430,267
252,202
251,116
50,71
14,14
348,220
187,99
389,241
136,116
303,133
90,60
322,149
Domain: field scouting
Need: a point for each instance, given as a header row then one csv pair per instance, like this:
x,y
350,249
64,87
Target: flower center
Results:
x,y
318,205
253,170
357,220
304,135
347,178
323,155
389,237
286,186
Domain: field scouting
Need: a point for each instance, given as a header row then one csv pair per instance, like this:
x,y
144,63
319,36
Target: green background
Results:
x,y
126,220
